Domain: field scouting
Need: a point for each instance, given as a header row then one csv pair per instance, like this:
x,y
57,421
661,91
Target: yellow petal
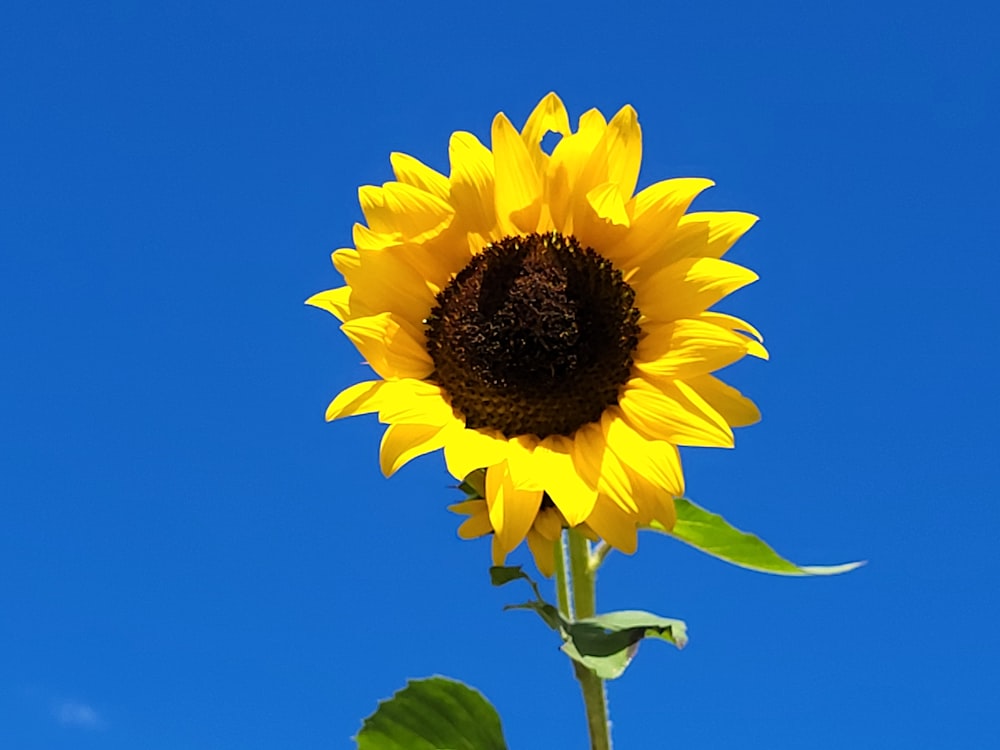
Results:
x,y
600,466
360,398
346,259
688,347
689,286
654,213
613,525
750,335
549,116
404,210
384,281
476,525
549,524
614,158
469,507
404,442
388,347
663,203
569,491
413,172
498,551
670,414
472,190
366,238
732,323
523,464
645,495
735,408
667,514
569,158
623,141
544,552
411,401
468,450
518,191
656,460
334,301
707,234
608,203
593,166
512,511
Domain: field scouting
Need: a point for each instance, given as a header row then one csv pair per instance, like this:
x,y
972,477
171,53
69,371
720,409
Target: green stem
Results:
x,y
584,580
583,590
564,596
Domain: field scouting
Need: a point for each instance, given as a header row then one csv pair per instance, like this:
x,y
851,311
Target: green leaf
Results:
x,y
501,574
711,533
607,643
606,667
433,714
624,628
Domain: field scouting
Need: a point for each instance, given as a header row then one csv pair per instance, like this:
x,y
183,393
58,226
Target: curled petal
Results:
x,y
337,302
360,398
402,443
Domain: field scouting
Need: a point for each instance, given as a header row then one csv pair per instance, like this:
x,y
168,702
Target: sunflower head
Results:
x,y
546,326
534,336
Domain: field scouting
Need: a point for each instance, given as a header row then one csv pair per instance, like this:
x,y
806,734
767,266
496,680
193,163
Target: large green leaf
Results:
x,y
433,714
711,533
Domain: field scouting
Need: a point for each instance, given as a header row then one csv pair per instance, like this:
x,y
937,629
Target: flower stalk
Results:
x,y
576,593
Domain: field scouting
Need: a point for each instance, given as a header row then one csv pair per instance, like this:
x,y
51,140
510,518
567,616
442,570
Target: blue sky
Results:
x,y
191,558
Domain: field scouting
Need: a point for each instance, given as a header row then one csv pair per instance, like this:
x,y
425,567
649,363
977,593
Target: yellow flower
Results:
x,y
530,315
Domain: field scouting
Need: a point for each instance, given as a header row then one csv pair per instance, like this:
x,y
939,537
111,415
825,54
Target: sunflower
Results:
x,y
534,317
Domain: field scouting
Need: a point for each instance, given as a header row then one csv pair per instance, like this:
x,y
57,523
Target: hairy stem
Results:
x,y
577,599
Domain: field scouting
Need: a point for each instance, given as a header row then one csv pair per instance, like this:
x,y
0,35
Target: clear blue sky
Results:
x,y
191,558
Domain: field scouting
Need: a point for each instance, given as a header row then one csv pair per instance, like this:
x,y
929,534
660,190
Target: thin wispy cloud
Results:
x,y
79,715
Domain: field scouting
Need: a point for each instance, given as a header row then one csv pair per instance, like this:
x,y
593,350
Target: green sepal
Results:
x,y
474,485
605,643
436,713
712,534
